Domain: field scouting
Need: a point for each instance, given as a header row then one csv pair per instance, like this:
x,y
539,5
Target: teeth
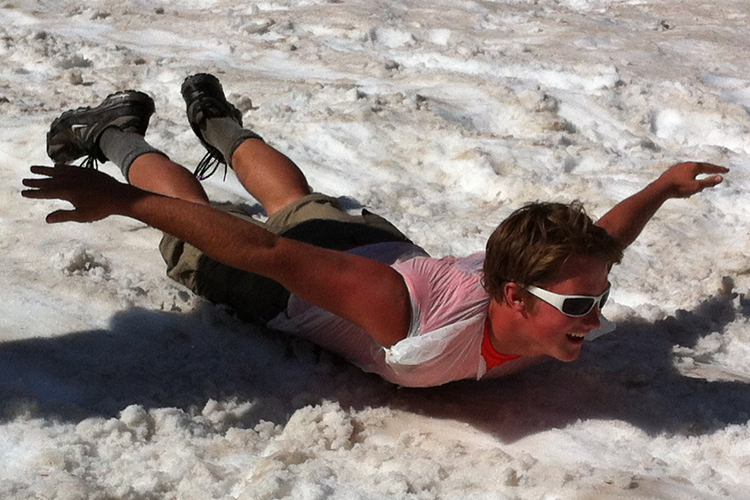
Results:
x,y
578,335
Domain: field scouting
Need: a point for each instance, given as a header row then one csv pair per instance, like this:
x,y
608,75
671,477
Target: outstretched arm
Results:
x,y
368,293
627,219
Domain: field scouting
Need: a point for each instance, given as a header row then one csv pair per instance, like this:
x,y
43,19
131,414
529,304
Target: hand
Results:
x,y
95,195
681,181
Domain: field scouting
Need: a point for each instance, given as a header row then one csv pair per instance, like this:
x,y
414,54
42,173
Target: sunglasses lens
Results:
x,y
603,300
577,306
581,306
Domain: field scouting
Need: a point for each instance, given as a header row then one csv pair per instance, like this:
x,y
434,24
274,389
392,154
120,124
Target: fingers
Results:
x,y
58,169
61,179
44,183
92,193
699,168
42,170
44,194
53,186
710,168
63,216
36,183
62,170
34,194
48,188
709,182
37,192
45,189
693,177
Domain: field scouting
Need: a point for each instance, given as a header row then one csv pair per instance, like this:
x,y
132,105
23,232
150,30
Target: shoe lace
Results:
x,y
90,162
207,166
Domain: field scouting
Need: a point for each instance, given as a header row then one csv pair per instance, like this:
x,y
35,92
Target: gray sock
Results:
x,y
226,135
122,148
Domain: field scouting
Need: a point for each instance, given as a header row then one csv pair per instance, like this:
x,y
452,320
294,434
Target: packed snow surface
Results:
x,y
442,116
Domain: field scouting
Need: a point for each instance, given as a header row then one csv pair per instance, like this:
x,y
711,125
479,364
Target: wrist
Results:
x,y
662,189
126,200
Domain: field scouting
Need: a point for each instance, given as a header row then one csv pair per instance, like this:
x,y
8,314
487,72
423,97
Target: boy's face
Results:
x,y
553,333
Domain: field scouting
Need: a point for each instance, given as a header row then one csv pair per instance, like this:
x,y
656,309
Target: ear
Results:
x,y
515,297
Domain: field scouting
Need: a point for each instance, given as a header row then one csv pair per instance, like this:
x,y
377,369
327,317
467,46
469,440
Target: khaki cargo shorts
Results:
x,y
316,219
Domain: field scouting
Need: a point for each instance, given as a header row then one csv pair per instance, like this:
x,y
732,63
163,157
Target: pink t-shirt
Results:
x,y
444,343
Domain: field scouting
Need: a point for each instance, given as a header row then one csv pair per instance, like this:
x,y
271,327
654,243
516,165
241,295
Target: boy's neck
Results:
x,y
505,330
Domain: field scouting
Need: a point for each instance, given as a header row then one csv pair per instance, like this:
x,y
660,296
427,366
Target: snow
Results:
x,y
443,117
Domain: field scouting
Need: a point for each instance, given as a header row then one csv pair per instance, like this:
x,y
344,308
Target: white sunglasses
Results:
x,y
574,306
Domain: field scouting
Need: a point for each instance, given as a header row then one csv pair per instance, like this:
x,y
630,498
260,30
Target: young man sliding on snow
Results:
x,y
352,284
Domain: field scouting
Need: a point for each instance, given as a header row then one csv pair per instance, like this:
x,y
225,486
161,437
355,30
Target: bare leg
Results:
x,y
158,174
272,178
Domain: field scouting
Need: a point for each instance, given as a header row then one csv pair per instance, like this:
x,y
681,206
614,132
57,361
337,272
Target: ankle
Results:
x,y
123,148
227,135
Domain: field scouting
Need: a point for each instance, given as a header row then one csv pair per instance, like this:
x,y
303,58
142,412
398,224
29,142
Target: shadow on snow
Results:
x,y
158,359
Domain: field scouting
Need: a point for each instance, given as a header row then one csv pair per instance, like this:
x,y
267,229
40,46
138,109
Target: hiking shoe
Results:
x,y
205,99
76,133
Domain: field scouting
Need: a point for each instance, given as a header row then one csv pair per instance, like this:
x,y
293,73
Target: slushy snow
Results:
x,y
443,116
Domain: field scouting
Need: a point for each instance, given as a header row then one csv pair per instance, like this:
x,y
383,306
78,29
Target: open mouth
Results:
x,y
576,338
